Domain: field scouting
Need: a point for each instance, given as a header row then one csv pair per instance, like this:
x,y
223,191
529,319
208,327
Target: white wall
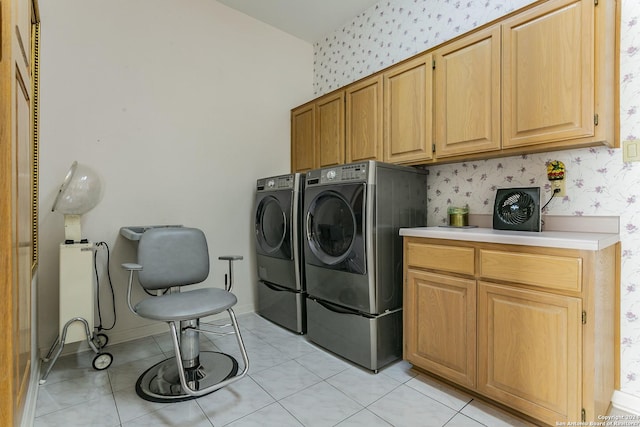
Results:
x,y
180,107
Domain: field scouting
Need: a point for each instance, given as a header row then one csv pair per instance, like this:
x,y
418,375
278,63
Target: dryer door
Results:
x,y
273,219
335,227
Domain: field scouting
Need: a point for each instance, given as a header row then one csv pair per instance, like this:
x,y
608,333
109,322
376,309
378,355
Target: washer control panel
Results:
x,y
283,182
337,174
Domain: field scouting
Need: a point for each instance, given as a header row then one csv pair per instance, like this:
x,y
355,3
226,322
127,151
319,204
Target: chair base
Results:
x,y
161,382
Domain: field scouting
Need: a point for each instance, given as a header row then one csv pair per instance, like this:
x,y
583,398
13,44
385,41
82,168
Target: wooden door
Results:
x,y
440,325
22,238
364,117
408,111
330,129
467,95
16,211
303,146
549,72
530,351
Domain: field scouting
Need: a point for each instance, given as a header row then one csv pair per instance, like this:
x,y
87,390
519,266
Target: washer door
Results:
x,y
335,228
272,228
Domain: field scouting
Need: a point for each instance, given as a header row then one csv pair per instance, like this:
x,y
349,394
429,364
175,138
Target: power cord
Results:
x,y
113,296
555,190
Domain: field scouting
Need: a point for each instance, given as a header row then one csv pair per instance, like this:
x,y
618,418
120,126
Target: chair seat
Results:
x,y
187,305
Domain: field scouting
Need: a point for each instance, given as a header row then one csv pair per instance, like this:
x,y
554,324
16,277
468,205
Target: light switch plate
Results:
x,y
631,150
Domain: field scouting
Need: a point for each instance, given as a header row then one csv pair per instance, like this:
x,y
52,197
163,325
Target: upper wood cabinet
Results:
x,y
330,129
317,133
549,74
303,146
467,94
364,137
408,111
539,79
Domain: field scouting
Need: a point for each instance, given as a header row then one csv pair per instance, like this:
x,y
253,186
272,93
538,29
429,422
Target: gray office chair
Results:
x,y
168,259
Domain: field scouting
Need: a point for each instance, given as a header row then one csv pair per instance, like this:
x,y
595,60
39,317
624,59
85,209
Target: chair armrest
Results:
x,y
131,266
228,280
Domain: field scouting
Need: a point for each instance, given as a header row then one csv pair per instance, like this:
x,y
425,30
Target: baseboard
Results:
x,y
141,332
626,402
114,338
244,308
136,333
29,411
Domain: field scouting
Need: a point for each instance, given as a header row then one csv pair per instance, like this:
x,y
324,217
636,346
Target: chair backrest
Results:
x,y
172,256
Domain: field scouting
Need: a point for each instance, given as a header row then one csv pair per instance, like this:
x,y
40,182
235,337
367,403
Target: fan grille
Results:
x,y
516,208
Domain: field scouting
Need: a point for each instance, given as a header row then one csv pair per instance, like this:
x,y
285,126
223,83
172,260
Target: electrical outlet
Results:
x,y
559,185
631,150
557,173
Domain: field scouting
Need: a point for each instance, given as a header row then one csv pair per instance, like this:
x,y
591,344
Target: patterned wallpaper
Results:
x,y
598,182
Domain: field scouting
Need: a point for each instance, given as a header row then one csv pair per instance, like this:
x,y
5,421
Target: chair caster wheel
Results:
x,y
102,361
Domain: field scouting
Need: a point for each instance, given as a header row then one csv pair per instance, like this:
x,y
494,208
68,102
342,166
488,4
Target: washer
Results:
x,y
353,256
281,291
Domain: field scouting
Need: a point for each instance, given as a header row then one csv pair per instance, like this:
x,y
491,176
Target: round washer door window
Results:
x,y
331,227
271,225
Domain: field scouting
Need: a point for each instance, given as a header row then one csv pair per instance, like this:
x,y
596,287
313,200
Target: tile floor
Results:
x,y
291,382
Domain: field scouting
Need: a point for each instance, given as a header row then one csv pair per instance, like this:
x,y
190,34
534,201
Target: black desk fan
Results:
x,y
517,209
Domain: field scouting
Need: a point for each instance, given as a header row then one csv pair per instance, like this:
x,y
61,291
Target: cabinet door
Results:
x,y
530,351
467,95
303,146
548,81
440,325
364,120
330,129
408,111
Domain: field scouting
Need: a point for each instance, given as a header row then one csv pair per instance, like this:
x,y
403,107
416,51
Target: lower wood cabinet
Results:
x,y
529,350
531,328
440,333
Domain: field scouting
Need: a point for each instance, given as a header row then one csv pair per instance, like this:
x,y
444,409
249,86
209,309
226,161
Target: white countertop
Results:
x,y
549,239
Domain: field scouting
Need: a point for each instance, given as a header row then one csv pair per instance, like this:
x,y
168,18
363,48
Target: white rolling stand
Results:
x,y
77,297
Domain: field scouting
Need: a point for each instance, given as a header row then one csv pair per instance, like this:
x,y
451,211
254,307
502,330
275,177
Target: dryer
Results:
x,y
281,290
353,256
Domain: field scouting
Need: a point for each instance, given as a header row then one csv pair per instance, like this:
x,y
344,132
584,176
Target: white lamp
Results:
x,y
79,193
